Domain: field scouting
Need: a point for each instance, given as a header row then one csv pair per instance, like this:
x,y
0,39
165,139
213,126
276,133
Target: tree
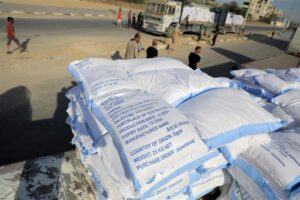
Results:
x,y
233,7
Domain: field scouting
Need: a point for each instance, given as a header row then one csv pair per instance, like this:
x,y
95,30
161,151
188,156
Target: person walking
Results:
x,y
151,51
174,36
119,17
133,20
186,19
195,58
129,19
11,35
140,47
199,34
132,47
139,19
272,35
214,39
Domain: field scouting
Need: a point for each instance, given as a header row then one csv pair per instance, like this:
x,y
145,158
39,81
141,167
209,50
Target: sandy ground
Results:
x,y
62,3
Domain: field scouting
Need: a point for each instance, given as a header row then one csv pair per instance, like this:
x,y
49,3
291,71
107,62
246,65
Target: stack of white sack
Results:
x,y
270,169
245,79
134,143
268,83
290,103
224,115
137,145
279,88
108,171
281,112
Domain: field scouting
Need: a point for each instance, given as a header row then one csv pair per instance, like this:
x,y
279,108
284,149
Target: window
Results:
x,y
157,9
150,8
171,10
162,9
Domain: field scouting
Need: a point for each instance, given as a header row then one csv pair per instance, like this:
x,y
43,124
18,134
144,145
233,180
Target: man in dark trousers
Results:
x,y
11,36
272,35
139,20
195,58
214,39
129,19
152,51
186,19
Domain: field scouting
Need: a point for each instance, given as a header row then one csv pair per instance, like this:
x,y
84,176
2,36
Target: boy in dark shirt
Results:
x,y
194,58
152,51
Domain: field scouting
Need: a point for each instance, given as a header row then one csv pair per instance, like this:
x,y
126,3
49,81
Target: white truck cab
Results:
x,y
160,14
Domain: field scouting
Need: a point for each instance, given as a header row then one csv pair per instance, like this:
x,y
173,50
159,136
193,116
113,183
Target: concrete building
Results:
x,y
258,9
206,2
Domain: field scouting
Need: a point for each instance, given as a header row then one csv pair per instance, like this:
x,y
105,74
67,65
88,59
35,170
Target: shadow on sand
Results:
x,y
280,44
222,70
23,139
23,46
236,57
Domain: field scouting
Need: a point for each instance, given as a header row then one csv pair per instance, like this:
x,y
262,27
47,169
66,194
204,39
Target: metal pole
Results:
x,y
246,16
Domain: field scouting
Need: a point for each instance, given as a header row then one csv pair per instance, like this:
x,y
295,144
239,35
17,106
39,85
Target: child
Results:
x,y
119,22
11,36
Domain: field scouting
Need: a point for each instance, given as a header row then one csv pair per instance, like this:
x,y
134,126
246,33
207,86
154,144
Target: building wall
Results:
x,y
259,8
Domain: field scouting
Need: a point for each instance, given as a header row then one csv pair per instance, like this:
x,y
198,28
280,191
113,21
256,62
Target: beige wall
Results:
x,y
259,8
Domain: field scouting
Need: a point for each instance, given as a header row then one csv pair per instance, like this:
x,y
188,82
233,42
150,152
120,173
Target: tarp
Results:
x,y
233,19
198,14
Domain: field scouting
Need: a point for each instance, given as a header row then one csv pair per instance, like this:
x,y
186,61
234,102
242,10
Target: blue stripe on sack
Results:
x,y
189,167
293,183
224,150
256,177
246,130
295,195
78,79
197,176
181,100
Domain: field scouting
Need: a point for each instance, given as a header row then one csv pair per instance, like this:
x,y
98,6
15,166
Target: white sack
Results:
x,y
98,77
289,75
134,66
224,115
290,102
152,137
248,185
209,182
275,84
278,158
232,150
79,106
246,73
279,112
177,85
